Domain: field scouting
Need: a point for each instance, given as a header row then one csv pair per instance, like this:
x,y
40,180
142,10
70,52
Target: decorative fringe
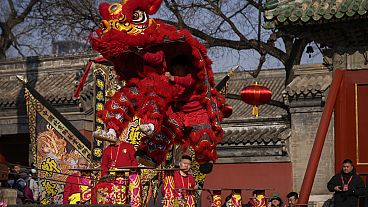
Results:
x,y
255,111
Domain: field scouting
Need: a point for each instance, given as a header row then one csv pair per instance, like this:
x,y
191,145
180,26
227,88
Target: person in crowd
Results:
x,y
77,187
292,199
34,184
275,201
14,175
227,201
17,182
6,170
24,194
346,185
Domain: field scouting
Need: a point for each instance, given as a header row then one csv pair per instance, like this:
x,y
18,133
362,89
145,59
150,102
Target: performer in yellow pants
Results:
x,y
120,155
178,185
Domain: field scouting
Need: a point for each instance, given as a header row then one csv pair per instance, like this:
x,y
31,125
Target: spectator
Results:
x,y
6,170
20,184
275,201
227,202
347,186
34,185
292,199
14,175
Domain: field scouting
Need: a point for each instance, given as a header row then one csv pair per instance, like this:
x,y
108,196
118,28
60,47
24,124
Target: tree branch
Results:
x,y
218,11
231,16
20,18
174,9
255,73
237,45
13,12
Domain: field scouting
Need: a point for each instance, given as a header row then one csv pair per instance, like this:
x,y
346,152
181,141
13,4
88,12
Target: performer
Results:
x,y
190,113
119,154
77,188
134,48
177,184
115,156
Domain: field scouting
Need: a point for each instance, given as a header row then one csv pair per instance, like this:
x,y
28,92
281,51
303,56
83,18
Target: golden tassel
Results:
x,y
255,111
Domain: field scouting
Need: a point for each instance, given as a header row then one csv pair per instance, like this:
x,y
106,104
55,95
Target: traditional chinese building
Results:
x,y
340,29
269,152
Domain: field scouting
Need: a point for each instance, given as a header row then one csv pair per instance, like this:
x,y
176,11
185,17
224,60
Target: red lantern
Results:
x,y
227,110
256,95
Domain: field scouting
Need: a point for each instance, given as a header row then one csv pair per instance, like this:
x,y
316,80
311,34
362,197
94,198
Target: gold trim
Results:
x,y
97,146
357,122
31,112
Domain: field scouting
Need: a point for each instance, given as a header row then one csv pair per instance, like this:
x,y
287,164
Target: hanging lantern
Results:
x,y
227,111
256,95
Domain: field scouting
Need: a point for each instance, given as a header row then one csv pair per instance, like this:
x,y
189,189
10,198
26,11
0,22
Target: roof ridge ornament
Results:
x,y
22,79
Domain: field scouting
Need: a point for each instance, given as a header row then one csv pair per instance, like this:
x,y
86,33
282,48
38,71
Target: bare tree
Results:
x,y
30,27
12,27
67,18
235,24
231,24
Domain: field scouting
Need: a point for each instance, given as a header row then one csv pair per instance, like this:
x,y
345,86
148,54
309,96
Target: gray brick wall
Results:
x,y
304,125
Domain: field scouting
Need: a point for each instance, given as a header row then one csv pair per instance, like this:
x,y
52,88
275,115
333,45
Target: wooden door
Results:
x,y
351,120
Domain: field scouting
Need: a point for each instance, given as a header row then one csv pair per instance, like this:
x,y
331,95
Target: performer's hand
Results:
x,y
111,134
147,129
171,78
337,188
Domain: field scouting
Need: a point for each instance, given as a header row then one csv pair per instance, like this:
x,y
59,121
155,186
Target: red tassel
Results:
x,y
85,74
83,80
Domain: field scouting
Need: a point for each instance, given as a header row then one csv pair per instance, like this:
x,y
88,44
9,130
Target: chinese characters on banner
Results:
x,y
100,89
56,146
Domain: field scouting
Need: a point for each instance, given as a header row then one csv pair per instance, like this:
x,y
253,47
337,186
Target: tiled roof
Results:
x,y
278,12
58,84
273,79
55,78
309,85
57,88
309,82
255,135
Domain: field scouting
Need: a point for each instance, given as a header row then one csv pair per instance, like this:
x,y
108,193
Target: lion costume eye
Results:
x,y
115,8
139,16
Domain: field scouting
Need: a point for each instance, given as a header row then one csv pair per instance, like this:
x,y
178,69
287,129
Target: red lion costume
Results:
x,y
142,50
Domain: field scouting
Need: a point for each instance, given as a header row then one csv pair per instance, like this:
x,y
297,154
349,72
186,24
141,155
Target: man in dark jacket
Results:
x,y
347,185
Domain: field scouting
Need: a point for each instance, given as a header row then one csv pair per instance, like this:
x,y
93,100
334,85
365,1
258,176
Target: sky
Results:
x,y
223,59
248,60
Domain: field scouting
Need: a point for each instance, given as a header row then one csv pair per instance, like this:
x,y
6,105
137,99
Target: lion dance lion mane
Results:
x,y
142,51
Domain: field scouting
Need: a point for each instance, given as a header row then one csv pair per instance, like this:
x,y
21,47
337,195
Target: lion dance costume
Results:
x,y
141,50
